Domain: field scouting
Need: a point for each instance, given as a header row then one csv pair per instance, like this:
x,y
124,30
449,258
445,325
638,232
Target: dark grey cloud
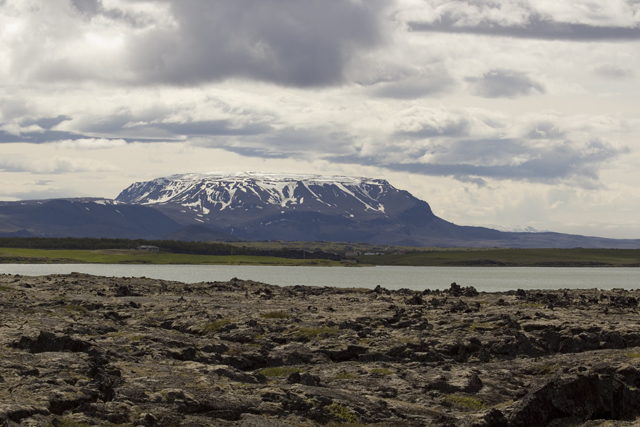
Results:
x,y
287,42
474,161
505,84
45,122
87,7
536,27
614,72
92,8
118,126
39,137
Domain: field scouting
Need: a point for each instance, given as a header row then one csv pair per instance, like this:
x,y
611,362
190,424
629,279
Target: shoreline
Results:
x,y
138,351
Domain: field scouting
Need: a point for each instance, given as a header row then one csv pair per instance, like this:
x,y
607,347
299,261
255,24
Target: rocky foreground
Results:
x,y
80,350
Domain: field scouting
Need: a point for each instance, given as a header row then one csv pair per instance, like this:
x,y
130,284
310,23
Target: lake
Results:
x,y
488,279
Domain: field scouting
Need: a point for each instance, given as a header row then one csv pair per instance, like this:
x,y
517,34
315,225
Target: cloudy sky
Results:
x,y
496,112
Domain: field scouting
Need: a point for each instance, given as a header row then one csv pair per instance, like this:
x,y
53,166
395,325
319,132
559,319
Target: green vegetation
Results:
x,y
381,371
6,288
342,412
545,369
114,251
633,355
465,402
346,376
532,304
215,326
481,326
315,332
279,371
275,315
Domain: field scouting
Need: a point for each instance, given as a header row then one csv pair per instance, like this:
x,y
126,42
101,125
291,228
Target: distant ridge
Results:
x,y
83,218
515,228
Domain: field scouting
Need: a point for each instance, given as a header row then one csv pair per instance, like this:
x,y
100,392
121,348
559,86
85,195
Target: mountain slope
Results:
x,y
193,232
83,218
259,206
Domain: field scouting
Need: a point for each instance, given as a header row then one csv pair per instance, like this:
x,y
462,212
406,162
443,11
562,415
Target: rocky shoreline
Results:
x,y
81,350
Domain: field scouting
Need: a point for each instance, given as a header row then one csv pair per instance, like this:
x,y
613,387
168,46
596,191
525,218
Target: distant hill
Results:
x,y
83,218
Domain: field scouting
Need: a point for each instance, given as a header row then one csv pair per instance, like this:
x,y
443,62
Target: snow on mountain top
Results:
x,y
222,190
271,177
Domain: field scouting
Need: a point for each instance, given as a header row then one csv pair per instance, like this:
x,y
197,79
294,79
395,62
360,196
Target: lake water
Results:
x,y
489,279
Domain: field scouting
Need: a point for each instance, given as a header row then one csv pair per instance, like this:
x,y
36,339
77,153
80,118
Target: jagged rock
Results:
x,y
125,291
582,398
305,378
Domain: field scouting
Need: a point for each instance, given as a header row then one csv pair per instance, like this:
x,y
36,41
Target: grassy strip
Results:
x,y
448,257
439,258
513,258
17,255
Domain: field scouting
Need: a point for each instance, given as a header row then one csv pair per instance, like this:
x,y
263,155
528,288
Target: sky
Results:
x,y
496,112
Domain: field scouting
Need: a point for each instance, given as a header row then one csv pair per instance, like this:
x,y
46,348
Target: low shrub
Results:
x,y
465,402
315,332
215,326
342,412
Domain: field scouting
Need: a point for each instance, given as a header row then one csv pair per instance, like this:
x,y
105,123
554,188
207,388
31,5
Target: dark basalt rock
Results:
x,y
47,342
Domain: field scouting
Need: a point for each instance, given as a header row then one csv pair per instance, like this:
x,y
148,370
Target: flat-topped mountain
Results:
x,y
249,193
260,206
267,206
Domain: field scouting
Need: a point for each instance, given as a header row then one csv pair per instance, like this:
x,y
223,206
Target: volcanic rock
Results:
x,y
156,353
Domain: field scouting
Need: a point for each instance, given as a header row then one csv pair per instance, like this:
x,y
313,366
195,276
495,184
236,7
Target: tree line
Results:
x,y
173,246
